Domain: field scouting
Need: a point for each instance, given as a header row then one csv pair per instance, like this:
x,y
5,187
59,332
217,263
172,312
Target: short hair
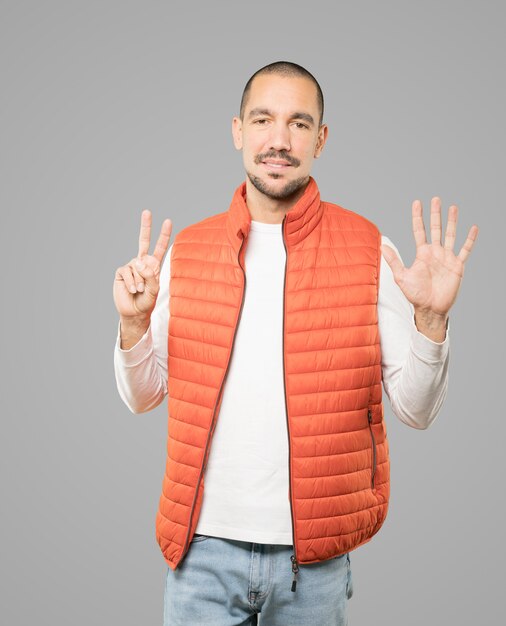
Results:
x,y
283,68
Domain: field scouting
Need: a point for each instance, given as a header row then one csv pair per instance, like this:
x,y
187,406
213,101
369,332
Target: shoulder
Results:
x,y
346,218
203,228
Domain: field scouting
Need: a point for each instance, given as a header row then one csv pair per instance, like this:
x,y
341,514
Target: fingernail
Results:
x,y
133,289
140,286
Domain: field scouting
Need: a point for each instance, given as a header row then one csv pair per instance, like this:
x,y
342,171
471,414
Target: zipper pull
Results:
x,y
295,570
369,416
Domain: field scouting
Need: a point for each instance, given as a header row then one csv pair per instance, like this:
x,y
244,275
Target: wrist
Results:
x,y
432,325
132,329
134,321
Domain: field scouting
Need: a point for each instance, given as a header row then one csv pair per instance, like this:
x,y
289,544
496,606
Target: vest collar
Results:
x,y
301,219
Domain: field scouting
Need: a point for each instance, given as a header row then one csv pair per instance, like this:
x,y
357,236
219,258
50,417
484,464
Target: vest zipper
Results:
x,y
211,430
293,558
373,470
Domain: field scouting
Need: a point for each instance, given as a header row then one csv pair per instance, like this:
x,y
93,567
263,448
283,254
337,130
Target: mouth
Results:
x,y
273,164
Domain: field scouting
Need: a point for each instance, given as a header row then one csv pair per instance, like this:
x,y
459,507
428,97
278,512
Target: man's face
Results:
x,y
279,135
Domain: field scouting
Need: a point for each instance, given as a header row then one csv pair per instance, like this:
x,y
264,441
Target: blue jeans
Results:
x,y
224,582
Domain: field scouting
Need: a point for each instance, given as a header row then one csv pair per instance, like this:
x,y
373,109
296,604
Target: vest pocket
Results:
x,y
373,464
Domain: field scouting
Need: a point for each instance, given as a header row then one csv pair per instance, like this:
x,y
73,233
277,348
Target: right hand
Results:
x,y
136,288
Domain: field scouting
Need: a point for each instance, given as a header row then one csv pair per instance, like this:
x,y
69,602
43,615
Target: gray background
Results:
x,y
111,107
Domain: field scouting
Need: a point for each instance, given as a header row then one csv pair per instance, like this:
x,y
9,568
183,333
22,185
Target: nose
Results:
x,y
279,138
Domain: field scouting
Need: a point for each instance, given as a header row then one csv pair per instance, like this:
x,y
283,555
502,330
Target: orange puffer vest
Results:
x,y
339,459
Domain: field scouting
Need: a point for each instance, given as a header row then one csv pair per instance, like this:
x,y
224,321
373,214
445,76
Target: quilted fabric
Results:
x,y
339,459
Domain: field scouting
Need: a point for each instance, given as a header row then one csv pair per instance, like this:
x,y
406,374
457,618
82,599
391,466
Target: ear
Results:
x,y
237,132
322,138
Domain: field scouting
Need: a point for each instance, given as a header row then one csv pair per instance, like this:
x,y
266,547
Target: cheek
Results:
x,y
251,148
306,154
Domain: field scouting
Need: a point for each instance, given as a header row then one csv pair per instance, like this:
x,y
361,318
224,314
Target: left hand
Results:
x,y
431,284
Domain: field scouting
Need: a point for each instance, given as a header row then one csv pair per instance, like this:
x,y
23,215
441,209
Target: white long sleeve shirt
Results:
x,y
246,479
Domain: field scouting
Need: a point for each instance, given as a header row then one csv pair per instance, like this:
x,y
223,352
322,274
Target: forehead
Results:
x,y
282,93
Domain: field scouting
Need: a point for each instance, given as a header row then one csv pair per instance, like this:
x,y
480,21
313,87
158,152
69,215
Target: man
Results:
x,y
287,314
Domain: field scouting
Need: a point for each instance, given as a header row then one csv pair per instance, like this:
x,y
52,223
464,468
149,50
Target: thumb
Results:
x,y
396,265
147,272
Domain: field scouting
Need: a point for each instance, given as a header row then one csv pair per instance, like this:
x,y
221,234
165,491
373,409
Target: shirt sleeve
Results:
x,y
141,371
415,368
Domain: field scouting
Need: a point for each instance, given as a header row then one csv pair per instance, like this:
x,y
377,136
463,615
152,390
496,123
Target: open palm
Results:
x,y
433,281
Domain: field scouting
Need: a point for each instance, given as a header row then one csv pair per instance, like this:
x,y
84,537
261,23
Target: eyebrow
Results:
x,y
299,115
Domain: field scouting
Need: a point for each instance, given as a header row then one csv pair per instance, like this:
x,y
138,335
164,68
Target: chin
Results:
x,y
282,190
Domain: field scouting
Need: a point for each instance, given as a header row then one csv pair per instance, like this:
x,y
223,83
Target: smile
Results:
x,y
275,166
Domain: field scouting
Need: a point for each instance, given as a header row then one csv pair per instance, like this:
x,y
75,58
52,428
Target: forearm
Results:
x,y
418,388
141,377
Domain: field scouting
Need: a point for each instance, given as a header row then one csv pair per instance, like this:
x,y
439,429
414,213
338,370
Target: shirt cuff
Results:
x,y
427,349
137,353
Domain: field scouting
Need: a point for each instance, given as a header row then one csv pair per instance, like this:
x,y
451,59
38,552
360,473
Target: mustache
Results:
x,y
272,155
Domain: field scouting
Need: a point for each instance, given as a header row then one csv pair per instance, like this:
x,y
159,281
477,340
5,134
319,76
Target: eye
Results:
x,y
301,125
259,121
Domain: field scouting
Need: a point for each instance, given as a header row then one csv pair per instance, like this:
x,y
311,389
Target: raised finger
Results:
x,y
465,251
451,227
163,240
152,262
435,220
418,225
145,233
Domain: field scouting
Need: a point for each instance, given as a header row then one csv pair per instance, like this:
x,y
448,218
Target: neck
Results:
x,y
269,210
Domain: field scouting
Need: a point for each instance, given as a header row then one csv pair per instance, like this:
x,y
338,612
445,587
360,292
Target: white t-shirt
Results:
x,y
246,494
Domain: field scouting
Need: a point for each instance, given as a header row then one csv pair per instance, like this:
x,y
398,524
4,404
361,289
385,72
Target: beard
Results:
x,y
290,189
